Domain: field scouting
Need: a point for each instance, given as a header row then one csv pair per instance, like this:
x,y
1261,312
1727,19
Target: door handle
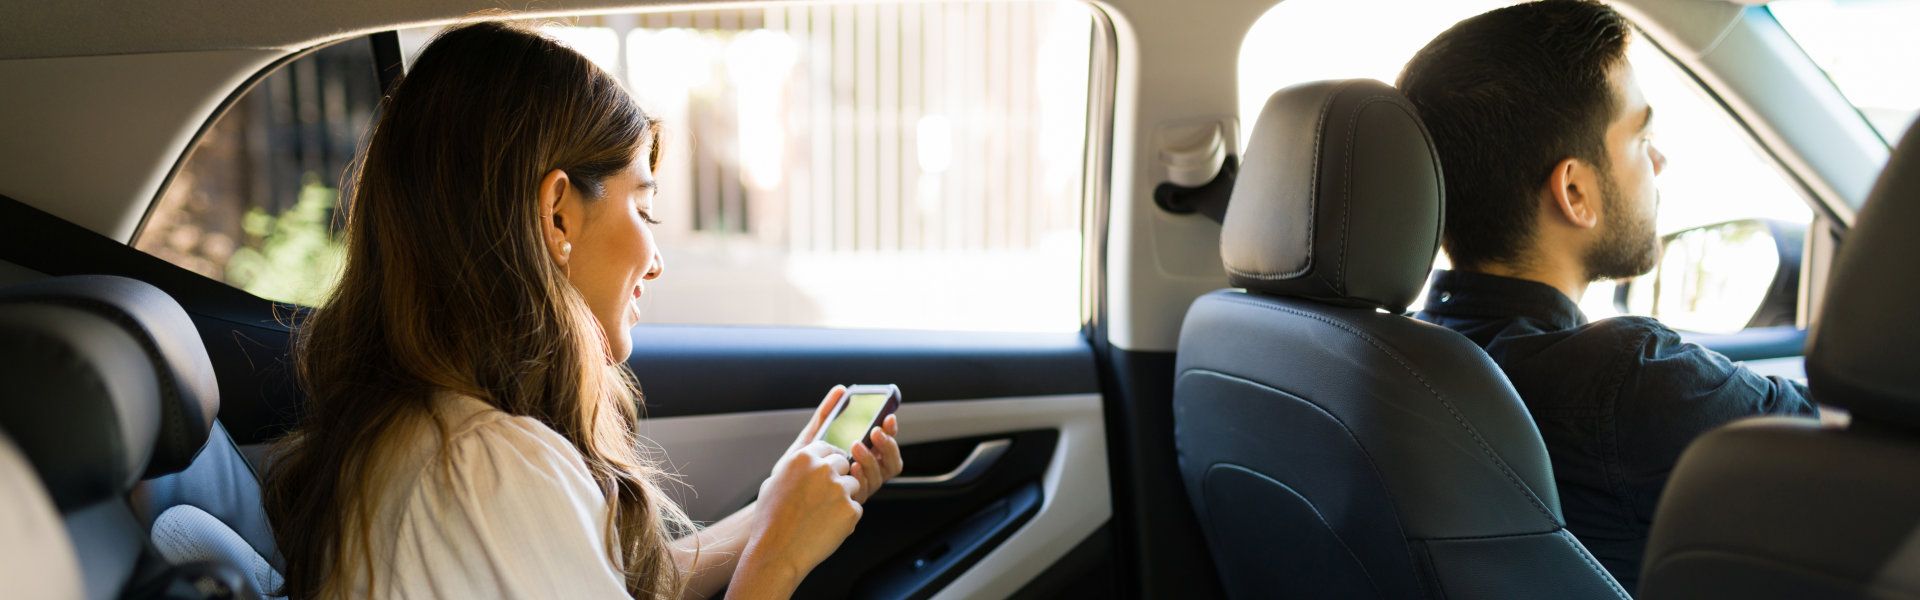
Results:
x,y
970,470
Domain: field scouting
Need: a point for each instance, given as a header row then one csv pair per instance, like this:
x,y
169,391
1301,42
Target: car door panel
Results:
x,y
698,370
1058,454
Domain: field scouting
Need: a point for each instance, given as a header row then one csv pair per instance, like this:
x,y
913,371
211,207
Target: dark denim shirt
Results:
x,y
1616,400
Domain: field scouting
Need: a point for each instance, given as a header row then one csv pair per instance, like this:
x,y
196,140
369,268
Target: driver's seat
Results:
x,y
1332,447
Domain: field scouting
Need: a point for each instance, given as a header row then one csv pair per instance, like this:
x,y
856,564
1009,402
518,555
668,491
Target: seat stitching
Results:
x,y
1595,565
1433,571
1512,477
1411,559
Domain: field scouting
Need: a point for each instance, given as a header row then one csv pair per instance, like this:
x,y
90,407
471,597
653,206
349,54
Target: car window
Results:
x,y
1868,49
911,166
253,204
1331,32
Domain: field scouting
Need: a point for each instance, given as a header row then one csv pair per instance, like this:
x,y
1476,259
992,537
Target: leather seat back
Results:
x,y
113,386
1787,508
82,401
1332,446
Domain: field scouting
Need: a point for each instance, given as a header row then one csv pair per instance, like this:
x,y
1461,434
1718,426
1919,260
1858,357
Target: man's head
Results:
x,y
1544,138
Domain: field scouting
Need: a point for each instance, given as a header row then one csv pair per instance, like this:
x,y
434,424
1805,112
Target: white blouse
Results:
x,y
509,511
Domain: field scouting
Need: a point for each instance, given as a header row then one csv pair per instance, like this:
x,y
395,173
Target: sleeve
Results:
x,y
511,513
1673,391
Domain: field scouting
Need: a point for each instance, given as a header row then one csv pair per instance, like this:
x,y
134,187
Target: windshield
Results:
x,y
1869,50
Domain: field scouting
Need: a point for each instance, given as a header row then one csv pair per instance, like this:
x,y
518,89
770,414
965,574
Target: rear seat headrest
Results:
x,y
80,400
189,396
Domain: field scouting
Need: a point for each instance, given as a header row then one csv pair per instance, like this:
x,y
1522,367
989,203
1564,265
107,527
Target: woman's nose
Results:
x,y
659,265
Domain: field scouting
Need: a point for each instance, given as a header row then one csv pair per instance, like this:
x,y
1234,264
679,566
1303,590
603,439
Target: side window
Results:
x,y
1714,174
913,166
254,204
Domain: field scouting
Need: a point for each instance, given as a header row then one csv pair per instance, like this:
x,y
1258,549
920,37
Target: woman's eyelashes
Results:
x,y
646,217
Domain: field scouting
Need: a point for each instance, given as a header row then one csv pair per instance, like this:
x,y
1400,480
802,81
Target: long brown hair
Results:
x,y
448,286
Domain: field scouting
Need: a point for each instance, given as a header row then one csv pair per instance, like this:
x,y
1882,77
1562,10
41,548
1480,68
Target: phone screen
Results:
x,y
851,425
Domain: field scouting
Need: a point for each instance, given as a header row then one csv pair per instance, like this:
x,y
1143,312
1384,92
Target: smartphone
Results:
x,y
861,409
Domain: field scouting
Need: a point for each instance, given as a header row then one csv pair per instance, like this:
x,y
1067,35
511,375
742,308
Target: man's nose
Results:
x,y
1659,160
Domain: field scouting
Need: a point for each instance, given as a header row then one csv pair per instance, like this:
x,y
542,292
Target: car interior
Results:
x,y
1146,301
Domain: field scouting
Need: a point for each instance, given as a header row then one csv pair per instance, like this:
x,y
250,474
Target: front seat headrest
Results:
x,y
1339,198
1860,353
189,393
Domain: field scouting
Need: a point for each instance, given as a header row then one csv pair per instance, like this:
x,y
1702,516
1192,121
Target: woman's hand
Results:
x,y
811,503
819,420
873,467
805,510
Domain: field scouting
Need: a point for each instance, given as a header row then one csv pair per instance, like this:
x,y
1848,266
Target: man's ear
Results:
x,y
1573,193
558,214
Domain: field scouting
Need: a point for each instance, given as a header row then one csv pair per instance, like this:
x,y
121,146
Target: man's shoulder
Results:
x,y
1632,329
1618,349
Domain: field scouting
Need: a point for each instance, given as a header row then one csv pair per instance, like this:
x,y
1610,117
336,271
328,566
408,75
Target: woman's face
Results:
x,y
613,252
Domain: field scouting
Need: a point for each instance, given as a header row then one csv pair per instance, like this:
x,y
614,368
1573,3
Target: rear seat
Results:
x,y
108,384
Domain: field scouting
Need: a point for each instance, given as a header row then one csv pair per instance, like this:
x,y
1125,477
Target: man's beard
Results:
x,y
1628,245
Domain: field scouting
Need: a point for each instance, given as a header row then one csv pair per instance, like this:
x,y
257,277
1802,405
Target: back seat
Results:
x,y
108,385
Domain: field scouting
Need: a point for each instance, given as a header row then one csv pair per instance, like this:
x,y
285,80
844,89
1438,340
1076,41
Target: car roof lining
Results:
x,y
110,27
106,27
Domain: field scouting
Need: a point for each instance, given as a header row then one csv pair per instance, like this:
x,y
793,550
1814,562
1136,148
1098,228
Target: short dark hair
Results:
x,y
1507,95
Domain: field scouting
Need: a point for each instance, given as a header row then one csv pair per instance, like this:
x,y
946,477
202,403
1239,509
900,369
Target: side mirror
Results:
x,y
1721,278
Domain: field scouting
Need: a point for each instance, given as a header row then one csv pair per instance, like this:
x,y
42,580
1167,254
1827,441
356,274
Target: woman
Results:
x,y
470,432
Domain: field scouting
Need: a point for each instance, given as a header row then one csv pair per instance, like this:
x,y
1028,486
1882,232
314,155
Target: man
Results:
x,y
1544,138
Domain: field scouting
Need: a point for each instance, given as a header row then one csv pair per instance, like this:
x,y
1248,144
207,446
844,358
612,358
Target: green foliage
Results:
x,y
293,257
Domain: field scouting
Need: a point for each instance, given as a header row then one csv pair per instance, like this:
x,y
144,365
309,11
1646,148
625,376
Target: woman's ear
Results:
x,y
558,211
1573,190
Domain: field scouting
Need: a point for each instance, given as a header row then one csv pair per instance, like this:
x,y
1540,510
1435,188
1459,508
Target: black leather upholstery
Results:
x,y
1860,356
1340,200
1787,508
189,393
81,401
1333,450
107,382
